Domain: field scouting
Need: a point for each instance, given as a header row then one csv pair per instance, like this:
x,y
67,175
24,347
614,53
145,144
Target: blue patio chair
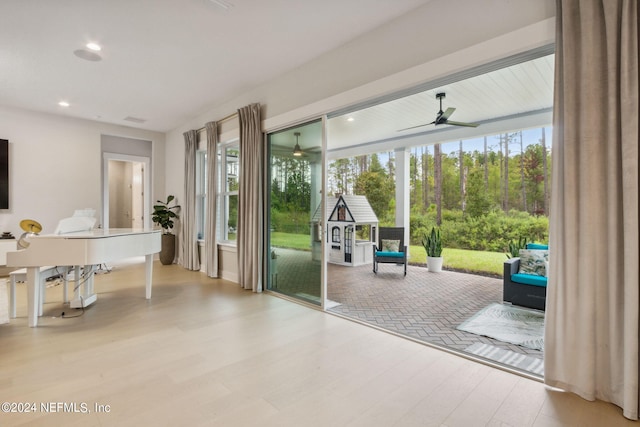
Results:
x,y
390,248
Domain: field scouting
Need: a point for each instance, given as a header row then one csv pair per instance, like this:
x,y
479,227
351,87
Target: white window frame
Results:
x,y
223,192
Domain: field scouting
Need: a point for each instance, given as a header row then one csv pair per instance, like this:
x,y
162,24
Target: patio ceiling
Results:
x,y
515,97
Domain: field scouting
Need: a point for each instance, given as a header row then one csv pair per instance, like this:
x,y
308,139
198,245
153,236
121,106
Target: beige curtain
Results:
x,y
250,198
189,238
212,199
592,317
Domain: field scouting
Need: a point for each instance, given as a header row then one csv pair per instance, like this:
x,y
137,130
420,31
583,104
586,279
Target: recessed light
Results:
x,y
63,104
350,119
94,46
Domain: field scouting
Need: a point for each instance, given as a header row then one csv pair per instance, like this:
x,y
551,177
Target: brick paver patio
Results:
x,y
424,306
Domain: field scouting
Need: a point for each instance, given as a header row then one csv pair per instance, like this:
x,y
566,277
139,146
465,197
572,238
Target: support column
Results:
x,y
403,208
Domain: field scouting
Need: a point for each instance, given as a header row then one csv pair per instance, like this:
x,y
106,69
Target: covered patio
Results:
x,y
422,306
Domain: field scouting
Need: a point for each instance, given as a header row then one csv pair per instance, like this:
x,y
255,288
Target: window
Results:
x,y
229,156
227,215
201,191
335,234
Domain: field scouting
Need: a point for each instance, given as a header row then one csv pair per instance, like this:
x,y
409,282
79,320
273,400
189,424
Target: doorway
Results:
x,y
296,266
126,191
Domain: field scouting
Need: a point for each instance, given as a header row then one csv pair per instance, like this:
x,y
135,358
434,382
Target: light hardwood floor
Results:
x,y
203,352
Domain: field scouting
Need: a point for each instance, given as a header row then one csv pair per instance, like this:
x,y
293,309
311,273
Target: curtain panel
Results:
x,y
189,240
592,314
212,200
251,206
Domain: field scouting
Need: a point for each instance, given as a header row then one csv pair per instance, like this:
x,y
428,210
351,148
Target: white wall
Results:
x,y
55,166
437,39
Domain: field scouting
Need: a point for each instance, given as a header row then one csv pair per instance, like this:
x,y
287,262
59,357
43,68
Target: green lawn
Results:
x,y
459,259
301,242
463,259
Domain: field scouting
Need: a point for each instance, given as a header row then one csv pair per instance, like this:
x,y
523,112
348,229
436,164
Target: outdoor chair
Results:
x,y
390,248
525,286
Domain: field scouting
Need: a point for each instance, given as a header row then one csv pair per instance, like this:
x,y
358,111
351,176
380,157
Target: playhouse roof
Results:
x,y
358,209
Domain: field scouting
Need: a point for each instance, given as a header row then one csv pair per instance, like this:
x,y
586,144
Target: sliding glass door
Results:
x,y
295,221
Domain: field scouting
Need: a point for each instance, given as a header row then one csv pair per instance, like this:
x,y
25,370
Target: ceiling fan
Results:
x,y
297,151
443,117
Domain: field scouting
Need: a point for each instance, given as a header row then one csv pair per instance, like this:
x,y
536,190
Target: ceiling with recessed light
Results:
x,y
509,95
164,62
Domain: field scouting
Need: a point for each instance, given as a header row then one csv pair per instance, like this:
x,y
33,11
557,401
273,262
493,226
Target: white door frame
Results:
x,y
105,185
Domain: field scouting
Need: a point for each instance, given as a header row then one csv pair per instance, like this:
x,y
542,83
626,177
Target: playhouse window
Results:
x,y
335,234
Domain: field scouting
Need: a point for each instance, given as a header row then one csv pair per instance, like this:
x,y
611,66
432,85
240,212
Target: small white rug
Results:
x,y
507,357
509,324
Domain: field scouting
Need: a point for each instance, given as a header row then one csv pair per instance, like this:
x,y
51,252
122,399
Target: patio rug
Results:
x,y
508,324
507,357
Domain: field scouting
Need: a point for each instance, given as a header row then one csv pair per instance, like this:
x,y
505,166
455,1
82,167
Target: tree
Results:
x,y
377,186
506,173
522,183
478,200
543,142
486,166
437,182
341,174
298,192
533,161
425,178
462,178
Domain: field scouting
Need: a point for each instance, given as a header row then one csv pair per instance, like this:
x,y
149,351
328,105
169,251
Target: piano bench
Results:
x,y
45,273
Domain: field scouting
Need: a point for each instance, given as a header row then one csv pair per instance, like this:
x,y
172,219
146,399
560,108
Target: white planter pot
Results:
x,y
434,264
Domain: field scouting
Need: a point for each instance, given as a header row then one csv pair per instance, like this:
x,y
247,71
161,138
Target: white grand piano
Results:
x,y
83,248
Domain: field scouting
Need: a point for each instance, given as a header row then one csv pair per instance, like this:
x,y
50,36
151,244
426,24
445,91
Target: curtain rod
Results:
x,y
224,119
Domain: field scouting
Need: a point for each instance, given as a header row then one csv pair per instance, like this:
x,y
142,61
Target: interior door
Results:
x,y
125,191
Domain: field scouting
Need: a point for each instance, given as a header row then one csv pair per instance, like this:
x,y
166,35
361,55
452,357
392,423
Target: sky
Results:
x,y
529,136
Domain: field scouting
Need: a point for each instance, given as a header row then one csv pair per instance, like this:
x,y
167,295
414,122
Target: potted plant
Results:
x,y
432,243
514,247
163,215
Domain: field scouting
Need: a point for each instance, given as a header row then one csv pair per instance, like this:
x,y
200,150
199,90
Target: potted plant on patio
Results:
x,y
432,243
515,247
163,215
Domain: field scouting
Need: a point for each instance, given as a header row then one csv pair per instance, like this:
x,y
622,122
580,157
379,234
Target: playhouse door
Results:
x,y
348,243
335,252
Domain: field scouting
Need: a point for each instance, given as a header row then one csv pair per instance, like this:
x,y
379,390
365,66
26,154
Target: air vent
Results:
x,y
134,119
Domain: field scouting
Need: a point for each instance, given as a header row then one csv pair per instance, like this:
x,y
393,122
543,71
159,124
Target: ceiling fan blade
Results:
x,y
446,114
413,127
470,125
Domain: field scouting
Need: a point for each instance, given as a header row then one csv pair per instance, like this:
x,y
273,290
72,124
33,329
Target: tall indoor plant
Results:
x,y
164,215
432,243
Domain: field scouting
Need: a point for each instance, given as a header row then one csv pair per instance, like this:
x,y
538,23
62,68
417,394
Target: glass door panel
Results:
x,y
295,220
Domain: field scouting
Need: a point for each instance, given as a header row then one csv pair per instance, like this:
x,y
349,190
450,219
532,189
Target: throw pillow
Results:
x,y
390,245
532,261
546,269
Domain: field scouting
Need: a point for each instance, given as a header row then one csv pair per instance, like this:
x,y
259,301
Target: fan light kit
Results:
x,y
297,151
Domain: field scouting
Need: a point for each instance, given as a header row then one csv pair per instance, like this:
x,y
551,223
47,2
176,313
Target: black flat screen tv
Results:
x,y
4,174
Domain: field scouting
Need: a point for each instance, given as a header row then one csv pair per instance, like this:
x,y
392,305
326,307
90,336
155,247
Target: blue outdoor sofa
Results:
x,y
526,290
